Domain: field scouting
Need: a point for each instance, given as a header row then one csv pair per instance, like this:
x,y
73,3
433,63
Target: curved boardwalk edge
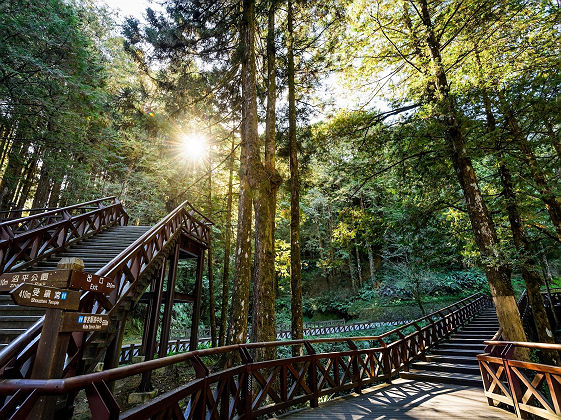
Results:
x,y
254,388
406,399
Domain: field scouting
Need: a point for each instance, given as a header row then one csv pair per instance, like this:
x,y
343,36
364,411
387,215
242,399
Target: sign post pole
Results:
x,y
51,351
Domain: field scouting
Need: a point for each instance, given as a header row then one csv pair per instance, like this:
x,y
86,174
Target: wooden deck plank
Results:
x,y
406,399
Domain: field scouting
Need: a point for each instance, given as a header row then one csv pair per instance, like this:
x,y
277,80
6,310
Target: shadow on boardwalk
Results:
x,y
408,400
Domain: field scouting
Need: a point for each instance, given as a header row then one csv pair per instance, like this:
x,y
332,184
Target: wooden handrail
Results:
x,y
362,366
68,384
524,344
139,254
58,210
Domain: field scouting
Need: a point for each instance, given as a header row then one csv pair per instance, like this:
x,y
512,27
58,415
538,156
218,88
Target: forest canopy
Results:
x,y
353,154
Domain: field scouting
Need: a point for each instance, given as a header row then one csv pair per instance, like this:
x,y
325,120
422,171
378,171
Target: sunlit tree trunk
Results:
x,y
227,240
265,181
497,272
237,326
527,261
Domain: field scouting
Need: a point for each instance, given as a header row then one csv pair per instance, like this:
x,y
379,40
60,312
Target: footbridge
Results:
x,y
448,364
134,258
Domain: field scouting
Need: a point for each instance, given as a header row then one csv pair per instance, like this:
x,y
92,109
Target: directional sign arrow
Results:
x,y
91,282
58,278
46,297
76,321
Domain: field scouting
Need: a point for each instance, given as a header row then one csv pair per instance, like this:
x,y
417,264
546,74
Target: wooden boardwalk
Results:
x,y
406,399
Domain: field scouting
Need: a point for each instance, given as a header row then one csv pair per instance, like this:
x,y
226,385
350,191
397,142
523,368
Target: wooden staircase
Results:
x,y
96,251
454,360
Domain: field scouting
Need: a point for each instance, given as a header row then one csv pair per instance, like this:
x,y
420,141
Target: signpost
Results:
x,y
46,297
91,282
83,322
74,279
58,278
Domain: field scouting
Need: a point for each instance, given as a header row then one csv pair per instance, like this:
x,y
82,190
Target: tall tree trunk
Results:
x,y
548,279
42,191
211,302
27,182
54,197
369,246
237,325
551,202
351,270
497,272
249,161
265,181
358,266
12,174
527,261
227,240
297,327
371,266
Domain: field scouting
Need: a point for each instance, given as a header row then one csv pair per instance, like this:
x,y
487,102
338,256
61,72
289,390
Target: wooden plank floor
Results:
x,y
406,399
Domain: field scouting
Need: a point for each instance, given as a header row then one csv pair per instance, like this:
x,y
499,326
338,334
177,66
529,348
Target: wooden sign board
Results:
x,y
91,282
27,294
58,278
76,321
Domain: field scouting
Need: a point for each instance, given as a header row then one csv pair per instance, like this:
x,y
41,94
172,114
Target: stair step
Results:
x,y
465,341
459,345
446,367
18,321
484,335
456,352
452,359
20,310
443,377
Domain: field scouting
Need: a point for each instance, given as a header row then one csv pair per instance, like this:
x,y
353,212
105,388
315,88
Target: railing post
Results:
x,y
386,361
246,391
312,374
201,372
355,366
513,382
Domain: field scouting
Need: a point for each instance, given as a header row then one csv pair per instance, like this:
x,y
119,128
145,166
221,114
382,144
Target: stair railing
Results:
x,y
255,388
529,388
131,271
26,240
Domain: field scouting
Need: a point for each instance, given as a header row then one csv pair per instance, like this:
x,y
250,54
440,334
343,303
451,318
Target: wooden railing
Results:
x,y
131,270
181,345
255,388
527,387
26,240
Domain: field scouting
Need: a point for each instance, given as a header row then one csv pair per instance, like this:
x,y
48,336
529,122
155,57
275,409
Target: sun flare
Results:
x,y
194,146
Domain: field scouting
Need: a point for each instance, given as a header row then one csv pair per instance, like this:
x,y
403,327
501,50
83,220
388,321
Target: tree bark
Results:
x,y
359,267
42,191
227,240
351,271
297,327
11,175
54,197
264,181
551,202
497,272
371,265
527,261
212,313
237,327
